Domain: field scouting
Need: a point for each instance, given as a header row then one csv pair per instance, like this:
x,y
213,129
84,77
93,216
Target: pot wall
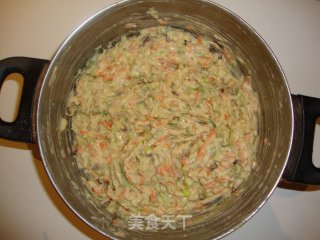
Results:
x,y
275,122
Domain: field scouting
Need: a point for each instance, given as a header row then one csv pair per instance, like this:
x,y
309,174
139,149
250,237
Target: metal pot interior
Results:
x,y
206,18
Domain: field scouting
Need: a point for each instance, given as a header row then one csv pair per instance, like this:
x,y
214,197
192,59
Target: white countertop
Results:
x,y
29,206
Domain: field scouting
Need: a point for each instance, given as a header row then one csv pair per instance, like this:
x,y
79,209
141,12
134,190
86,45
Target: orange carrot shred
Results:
x,y
82,132
107,124
202,149
153,196
103,145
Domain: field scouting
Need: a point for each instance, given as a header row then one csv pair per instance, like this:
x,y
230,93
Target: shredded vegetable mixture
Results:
x,y
165,123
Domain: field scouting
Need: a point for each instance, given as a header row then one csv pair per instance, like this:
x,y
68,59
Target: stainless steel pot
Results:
x,y
286,124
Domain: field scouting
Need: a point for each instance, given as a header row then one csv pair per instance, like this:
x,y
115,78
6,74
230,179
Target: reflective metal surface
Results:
x,y
200,17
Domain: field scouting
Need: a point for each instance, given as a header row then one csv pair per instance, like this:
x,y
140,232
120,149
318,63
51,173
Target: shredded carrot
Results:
x,y
199,206
160,170
209,101
107,78
108,160
103,145
79,149
153,196
204,62
189,221
166,168
109,67
92,151
184,161
159,123
122,193
208,171
107,124
142,179
221,180
106,179
98,191
83,132
202,149
145,209
210,184
200,39
175,204
134,142
104,76
160,98
161,140
129,179
196,97
99,135
149,117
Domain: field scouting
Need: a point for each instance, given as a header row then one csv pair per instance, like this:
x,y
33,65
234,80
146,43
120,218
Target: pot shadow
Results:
x,y
316,161
12,144
259,225
57,200
264,225
298,187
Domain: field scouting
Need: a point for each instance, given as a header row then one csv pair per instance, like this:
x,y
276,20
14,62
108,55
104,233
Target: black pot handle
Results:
x,y
32,70
300,168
